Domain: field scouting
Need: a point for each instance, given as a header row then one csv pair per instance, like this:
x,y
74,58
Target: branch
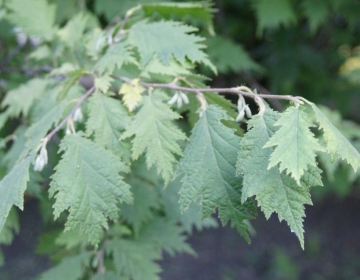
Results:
x,y
295,99
64,121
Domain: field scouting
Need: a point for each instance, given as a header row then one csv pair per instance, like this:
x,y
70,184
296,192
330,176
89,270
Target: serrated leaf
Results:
x,y
209,174
228,56
39,129
146,200
108,118
10,228
167,38
41,53
70,268
87,184
274,192
312,177
155,134
73,31
132,94
296,146
103,83
316,11
167,235
336,143
135,260
154,66
71,239
200,13
72,78
23,97
11,157
191,217
23,16
115,57
271,14
12,188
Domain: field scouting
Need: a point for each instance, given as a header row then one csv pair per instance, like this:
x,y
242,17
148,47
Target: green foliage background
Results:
x,y
285,47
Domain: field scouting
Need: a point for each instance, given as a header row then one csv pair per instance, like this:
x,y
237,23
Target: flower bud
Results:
x,y
44,154
78,116
184,97
240,116
39,163
179,101
240,104
248,111
173,99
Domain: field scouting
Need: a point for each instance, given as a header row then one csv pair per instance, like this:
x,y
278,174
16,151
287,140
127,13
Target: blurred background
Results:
x,y
297,47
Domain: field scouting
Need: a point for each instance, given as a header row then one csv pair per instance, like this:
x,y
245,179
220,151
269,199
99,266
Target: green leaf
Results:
x,y
131,94
229,56
108,118
112,8
10,227
115,57
271,14
274,192
336,143
156,134
71,34
87,184
316,11
4,116
167,235
16,149
208,171
71,239
103,83
135,260
167,38
22,98
196,13
72,78
12,188
23,16
70,268
295,144
39,129
145,201
154,66
191,217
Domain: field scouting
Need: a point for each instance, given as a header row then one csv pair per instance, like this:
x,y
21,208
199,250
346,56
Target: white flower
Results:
x,y
78,116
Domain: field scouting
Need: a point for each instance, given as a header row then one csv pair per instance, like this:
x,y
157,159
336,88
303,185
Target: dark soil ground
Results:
x,y
332,249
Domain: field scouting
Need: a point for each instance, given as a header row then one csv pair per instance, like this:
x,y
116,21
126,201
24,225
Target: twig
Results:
x,y
171,86
63,122
125,19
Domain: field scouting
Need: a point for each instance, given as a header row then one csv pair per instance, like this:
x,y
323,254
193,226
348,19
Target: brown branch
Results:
x,y
171,86
63,122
